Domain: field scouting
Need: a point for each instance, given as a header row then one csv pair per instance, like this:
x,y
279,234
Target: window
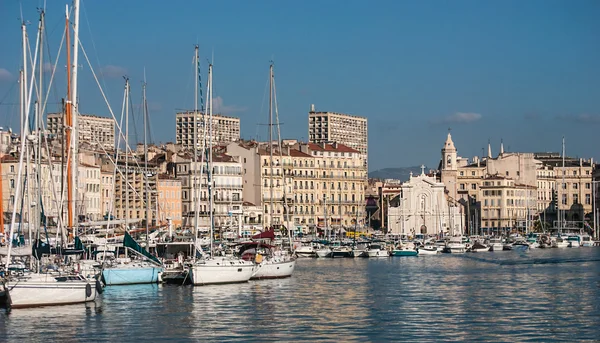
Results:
x,y
575,199
588,185
472,173
575,186
564,199
473,186
462,186
12,169
564,186
12,183
462,173
588,199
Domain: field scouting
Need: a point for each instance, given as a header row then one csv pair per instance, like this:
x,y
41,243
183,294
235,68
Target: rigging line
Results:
x,y
16,82
48,52
118,127
261,109
87,21
53,73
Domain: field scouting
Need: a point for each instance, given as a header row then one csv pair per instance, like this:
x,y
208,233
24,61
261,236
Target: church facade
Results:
x,y
423,207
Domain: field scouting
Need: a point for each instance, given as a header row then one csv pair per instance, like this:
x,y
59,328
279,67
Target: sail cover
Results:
x,y
269,234
129,242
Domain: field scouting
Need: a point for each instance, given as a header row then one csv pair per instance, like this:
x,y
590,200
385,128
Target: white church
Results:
x,y
424,208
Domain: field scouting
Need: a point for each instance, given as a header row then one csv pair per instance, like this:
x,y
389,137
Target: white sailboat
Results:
x,y
25,288
210,269
275,263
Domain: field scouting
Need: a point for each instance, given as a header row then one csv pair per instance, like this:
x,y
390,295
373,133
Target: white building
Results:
x,y
94,130
224,129
423,207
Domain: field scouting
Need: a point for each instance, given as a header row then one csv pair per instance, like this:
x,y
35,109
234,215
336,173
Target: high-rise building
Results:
x,y
224,129
346,129
95,130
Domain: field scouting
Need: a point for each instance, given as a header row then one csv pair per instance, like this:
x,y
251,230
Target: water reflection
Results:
x,y
500,297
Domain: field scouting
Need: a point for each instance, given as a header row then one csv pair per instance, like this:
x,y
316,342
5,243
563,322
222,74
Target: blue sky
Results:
x,y
527,72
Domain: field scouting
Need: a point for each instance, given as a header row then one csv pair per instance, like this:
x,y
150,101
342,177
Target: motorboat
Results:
x,y
324,251
307,250
342,251
574,241
405,250
586,241
496,244
455,245
377,250
479,247
429,249
560,242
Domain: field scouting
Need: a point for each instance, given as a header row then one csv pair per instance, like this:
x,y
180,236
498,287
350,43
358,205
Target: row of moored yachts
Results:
x,y
433,246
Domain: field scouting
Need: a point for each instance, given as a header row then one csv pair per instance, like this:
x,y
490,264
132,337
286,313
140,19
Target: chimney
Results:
x,y
323,144
312,107
581,162
335,145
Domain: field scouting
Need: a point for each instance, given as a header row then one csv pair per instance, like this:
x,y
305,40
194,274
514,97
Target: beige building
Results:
x,y
541,172
131,184
321,181
227,191
225,129
94,130
169,199
329,127
88,190
506,205
573,184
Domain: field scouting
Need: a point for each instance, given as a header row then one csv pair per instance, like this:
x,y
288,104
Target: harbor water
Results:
x,y
543,295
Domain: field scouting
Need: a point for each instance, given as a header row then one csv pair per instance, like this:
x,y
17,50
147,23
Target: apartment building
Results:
x,y
169,199
346,129
94,130
224,129
506,205
135,184
227,189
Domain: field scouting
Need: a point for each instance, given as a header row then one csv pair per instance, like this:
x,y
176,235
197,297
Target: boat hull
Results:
x,y
47,292
306,254
323,253
378,253
425,251
496,247
405,253
274,270
338,254
130,276
221,272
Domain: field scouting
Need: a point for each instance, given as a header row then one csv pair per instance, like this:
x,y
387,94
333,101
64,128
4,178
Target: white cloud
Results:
x,y
458,118
584,118
47,67
5,75
112,71
220,107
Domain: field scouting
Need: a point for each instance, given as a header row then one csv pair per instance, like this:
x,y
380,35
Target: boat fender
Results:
x,y
88,290
99,288
258,258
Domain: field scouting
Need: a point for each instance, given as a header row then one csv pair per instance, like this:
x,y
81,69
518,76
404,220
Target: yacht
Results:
x,y
586,241
377,250
560,242
574,241
479,247
221,270
270,263
455,245
307,250
405,250
496,244
342,251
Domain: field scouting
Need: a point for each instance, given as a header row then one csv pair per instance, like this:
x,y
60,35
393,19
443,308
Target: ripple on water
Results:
x,y
497,297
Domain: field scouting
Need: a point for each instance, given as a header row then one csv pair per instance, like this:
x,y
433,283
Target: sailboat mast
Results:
x,y
194,168
146,163
271,144
75,108
210,160
126,155
562,213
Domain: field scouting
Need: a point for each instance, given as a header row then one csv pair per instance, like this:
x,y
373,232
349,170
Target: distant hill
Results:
x,y
396,173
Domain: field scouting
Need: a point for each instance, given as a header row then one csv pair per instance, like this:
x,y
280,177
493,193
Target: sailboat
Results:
x,y
276,263
147,268
46,286
212,269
